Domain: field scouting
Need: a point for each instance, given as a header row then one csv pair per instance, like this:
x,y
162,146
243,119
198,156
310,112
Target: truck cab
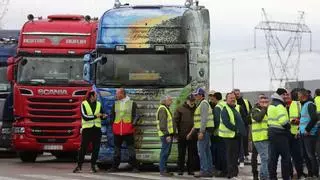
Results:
x,y
150,51
48,86
8,46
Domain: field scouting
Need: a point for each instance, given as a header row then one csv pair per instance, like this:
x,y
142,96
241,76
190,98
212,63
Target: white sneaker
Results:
x,y
241,165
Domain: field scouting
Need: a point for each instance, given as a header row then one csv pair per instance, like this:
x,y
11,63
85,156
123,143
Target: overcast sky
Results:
x,y
232,23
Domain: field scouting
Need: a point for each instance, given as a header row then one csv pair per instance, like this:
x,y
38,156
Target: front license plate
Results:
x,y
52,147
144,156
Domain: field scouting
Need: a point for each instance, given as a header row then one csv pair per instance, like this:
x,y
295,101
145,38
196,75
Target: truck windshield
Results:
x,y
143,70
50,71
4,84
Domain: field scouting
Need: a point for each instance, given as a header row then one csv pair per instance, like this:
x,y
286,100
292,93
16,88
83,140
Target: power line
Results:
x,y
280,66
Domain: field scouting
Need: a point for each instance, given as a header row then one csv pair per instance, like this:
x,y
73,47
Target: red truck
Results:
x,y
48,86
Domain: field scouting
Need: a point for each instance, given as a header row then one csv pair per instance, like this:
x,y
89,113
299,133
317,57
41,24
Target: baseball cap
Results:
x,y
199,91
211,92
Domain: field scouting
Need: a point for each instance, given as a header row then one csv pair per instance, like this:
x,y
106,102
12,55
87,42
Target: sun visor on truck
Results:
x,y
141,27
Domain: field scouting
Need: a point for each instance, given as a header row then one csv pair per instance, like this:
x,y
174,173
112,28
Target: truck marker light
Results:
x,y
159,48
37,52
120,48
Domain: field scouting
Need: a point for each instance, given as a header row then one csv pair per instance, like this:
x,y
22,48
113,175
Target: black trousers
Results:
x,y
279,146
90,135
220,155
118,140
190,146
309,152
246,142
254,161
232,154
296,154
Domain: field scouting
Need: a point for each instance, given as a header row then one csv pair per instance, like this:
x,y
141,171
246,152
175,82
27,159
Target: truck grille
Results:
x,y
53,100
60,120
56,108
64,131
54,140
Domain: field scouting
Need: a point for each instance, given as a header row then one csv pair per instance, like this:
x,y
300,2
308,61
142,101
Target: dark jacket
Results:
x,y
163,118
239,126
245,114
216,117
258,115
183,118
312,110
277,100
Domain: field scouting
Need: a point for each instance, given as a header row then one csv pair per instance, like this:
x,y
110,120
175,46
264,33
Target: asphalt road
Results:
x,y
48,168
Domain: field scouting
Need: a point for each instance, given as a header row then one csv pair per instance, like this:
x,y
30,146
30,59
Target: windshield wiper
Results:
x,y
32,82
112,84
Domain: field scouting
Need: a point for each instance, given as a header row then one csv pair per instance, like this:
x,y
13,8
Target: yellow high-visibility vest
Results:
x,y
260,129
123,113
95,122
277,116
317,102
294,112
169,121
197,116
224,132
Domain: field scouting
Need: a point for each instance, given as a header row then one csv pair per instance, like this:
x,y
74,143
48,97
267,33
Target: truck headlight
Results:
x,y
19,130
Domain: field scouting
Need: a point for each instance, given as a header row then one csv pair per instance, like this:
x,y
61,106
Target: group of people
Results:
x,y
216,134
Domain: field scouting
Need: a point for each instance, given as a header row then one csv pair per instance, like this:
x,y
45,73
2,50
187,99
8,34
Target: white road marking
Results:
x,y
47,177
91,176
9,178
146,176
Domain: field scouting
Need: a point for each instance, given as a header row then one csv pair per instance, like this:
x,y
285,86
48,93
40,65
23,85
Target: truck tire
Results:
x,y
28,156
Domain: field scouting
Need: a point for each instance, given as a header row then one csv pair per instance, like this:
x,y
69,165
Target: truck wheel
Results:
x,y
28,156
103,166
65,155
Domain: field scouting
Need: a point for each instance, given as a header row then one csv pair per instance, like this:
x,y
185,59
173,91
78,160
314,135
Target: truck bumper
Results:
x,y
23,143
142,155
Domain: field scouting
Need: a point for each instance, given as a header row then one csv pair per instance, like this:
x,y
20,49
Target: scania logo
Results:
x,y
59,92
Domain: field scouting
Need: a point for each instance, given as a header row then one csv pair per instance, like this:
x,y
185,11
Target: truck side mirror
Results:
x,y
10,69
86,68
86,72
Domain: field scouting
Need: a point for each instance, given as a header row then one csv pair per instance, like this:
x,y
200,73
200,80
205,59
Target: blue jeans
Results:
x,y
205,153
164,154
263,151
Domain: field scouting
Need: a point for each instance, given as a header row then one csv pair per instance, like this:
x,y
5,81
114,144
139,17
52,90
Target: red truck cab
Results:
x,y
48,86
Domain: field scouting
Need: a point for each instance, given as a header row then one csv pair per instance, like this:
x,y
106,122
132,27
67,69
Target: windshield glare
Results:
x,y
56,71
143,69
4,84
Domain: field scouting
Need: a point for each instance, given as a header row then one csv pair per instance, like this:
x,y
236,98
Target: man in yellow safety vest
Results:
x,y
295,144
231,129
279,134
166,130
245,108
203,125
91,113
260,134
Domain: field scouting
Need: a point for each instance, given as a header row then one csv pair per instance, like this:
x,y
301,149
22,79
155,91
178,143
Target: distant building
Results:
x,y
311,85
